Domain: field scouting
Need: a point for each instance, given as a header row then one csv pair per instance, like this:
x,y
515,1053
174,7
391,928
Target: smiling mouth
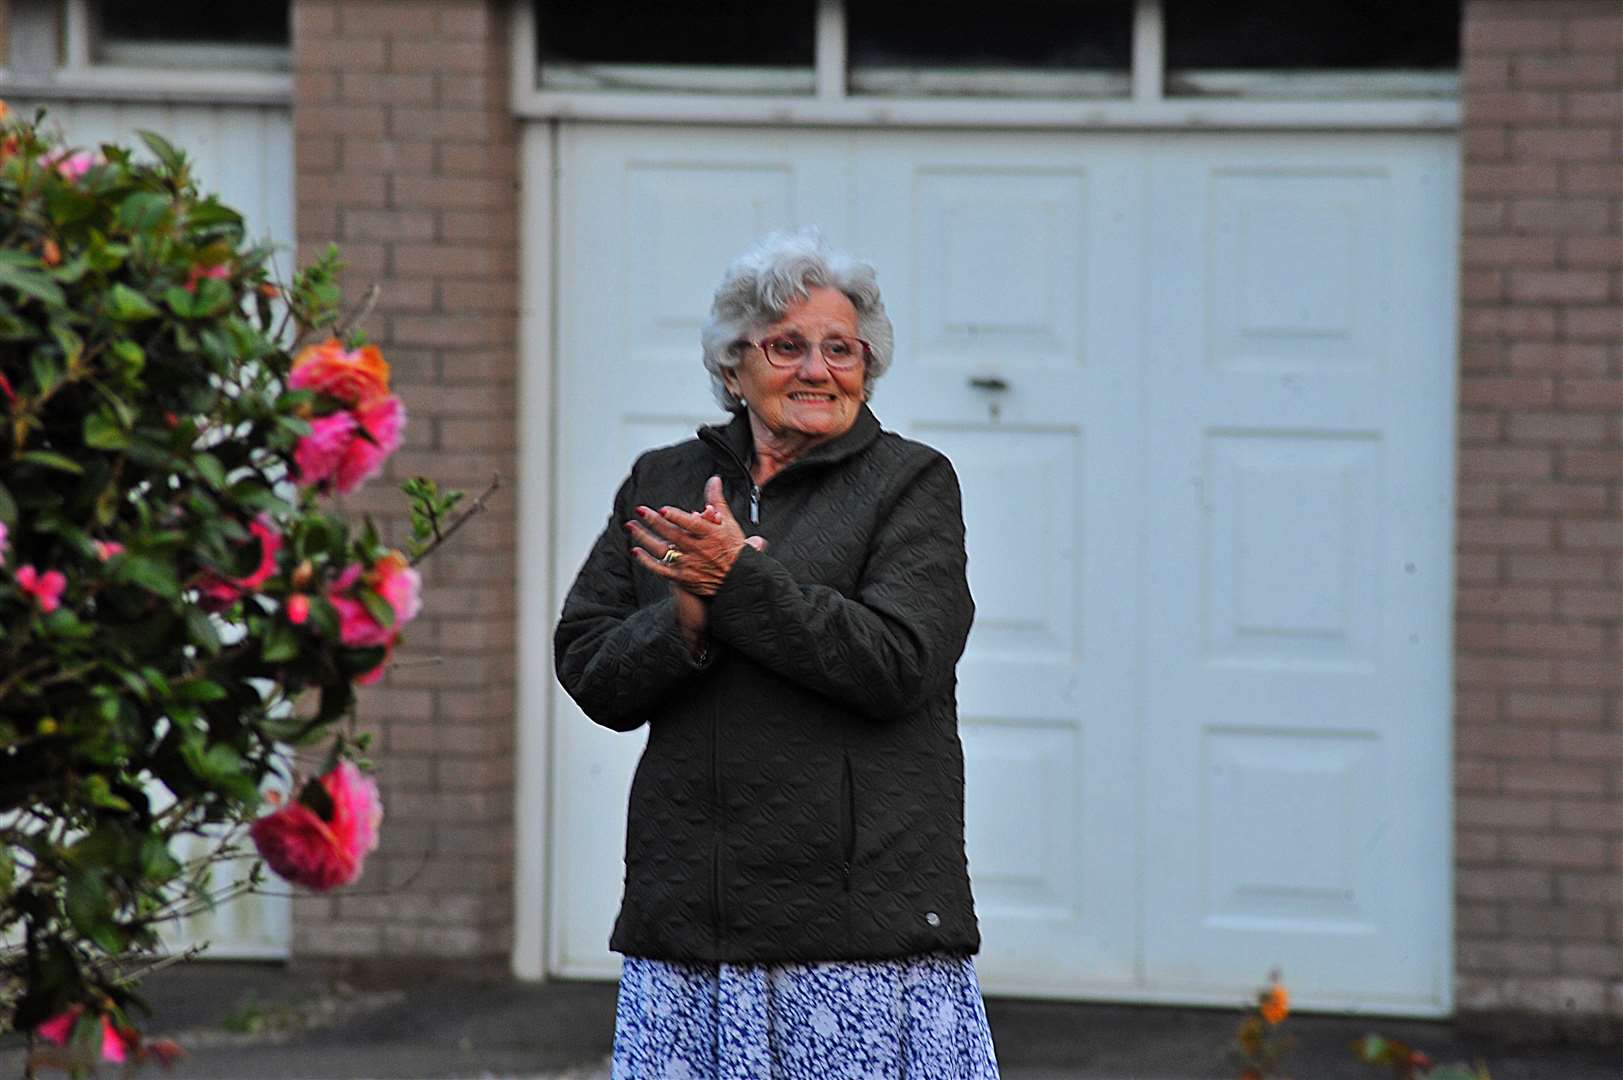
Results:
x,y
803,396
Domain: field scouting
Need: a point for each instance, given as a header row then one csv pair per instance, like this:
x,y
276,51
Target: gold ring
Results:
x,y
671,555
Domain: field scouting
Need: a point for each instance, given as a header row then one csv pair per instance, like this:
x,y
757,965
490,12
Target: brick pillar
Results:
x,y
1539,718
407,158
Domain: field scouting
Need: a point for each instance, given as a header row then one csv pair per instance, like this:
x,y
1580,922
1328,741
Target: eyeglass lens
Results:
x,y
838,352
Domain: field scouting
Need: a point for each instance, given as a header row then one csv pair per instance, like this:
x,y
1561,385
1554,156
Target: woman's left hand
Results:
x,y
707,542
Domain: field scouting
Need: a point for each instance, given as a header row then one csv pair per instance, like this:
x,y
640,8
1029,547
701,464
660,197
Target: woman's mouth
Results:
x,y
807,396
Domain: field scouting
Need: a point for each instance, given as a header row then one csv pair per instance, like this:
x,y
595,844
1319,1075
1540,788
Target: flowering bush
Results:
x,y
178,603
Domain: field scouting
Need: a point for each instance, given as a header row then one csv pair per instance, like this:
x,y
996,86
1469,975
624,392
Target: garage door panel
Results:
x,y
1289,533
685,214
1297,270
1028,607
998,265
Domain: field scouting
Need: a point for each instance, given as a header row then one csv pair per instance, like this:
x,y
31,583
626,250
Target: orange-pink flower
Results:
x,y
323,853
221,592
46,588
353,376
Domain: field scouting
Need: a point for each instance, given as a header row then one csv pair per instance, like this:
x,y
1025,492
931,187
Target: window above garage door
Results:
x,y
1085,63
181,50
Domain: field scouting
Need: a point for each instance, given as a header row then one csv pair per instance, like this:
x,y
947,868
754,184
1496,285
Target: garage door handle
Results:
x,y
988,382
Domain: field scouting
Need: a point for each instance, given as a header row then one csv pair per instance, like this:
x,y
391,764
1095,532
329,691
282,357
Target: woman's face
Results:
x,y
810,400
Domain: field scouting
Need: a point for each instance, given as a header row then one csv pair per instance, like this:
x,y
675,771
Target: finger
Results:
x,y
645,539
668,531
756,542
648,562
711,514
715,496
697,524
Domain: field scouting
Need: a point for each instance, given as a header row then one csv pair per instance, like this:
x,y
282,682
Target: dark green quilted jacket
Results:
x,y
801,795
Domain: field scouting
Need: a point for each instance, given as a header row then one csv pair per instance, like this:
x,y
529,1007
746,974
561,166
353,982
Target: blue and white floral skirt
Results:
x,y
917,1018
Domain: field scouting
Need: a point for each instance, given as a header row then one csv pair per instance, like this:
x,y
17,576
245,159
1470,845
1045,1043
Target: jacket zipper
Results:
x,y
755,489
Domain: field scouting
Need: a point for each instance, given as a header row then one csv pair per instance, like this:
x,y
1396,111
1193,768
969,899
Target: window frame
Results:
x,y
215,75
1255,100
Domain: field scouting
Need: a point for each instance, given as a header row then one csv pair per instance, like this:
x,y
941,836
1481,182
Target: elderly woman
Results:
x,y
783,602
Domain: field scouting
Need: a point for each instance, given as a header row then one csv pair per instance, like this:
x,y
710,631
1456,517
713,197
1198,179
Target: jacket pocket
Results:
x,y
848,820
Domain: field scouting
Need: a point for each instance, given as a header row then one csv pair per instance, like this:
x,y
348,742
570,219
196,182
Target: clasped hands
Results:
x,y
705,544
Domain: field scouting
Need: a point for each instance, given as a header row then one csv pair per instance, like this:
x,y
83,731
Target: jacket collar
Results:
x,y
736,442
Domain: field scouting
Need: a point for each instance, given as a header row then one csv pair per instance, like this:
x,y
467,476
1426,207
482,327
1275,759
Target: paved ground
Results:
x,y
241,1022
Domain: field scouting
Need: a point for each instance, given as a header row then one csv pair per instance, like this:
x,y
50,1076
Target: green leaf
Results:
x,y
8,506
100,793
209,467
157,864
202,632
133,356
127,305
179,301
281,643
47,372
202,690
156,679
103,432
152,575
376,606
144,212
32,283
89,904
213,297
173,160
50,460
8,871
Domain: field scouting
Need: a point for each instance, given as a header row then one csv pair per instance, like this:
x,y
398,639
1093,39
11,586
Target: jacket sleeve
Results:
x,y
892,645
616,659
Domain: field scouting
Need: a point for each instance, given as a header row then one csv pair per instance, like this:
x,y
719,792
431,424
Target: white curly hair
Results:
x,y
759,286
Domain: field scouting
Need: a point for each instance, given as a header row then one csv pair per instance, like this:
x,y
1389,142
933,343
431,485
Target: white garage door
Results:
x,y
1198,390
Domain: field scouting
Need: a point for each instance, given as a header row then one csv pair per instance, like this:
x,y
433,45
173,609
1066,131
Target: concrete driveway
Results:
x,y
247,1021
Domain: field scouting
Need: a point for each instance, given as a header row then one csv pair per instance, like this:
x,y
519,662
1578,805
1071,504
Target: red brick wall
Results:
x,y
406,157
1539,716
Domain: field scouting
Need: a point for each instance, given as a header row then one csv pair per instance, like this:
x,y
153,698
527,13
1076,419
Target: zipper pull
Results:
x,y
755,504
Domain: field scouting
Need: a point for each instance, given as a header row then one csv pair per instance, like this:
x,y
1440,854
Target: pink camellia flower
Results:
x,y
198,273
73,164
46,588
220,592
106,549
298,609
319,452
115,1044
353,376
337,453
321,854
392,578
383,419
